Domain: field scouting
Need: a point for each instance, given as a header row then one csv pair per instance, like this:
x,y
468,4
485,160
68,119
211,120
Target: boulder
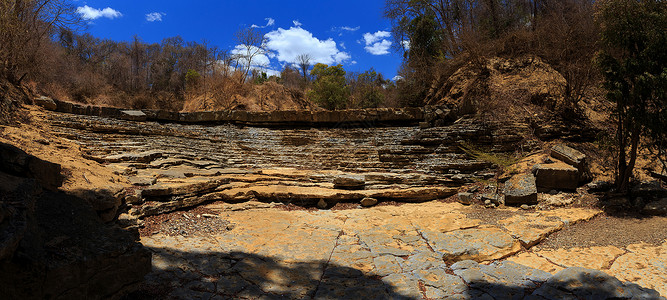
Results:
x,y
349,182
557,175
46,103
656,208
465,198
521,189
132,115
368,202
569,156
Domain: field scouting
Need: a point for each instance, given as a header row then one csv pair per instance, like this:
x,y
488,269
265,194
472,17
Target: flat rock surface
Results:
x,y
413,251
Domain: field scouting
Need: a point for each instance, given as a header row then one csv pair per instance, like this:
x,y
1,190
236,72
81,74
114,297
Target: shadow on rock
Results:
x,y
237,275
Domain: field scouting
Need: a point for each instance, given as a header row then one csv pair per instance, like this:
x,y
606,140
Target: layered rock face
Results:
x,y
53,245
175,165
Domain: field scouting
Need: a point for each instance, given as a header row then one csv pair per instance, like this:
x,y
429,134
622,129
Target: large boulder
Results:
x,y
521,189
556,175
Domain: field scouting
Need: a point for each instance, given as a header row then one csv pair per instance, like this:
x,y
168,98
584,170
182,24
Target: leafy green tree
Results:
x,y
634,65
330,88
367,89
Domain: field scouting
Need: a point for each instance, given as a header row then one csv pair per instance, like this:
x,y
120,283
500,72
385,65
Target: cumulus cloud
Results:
x,y
89,13
290,43
259,59
297,23
269,22
155,16
376,43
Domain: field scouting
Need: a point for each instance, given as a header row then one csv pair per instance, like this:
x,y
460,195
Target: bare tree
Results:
x,y
24,27
252,43
304,60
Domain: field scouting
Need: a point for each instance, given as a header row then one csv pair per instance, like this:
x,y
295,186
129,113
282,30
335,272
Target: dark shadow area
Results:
x,y
237,275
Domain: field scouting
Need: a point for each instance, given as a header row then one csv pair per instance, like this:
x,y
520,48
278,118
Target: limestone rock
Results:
x,y
556,175
656,208
521,189
478,244
17,162
499,280
465,198
349,182
581,283
146,156
132,115
569,156
68,253
46,102
368,202
531,228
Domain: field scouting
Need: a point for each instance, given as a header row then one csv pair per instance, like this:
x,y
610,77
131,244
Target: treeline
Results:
x,y
438,36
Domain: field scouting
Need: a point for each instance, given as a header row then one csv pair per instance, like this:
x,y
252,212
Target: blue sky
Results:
x,y
350,32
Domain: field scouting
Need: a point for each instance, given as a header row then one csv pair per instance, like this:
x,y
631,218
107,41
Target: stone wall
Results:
x,y
376,117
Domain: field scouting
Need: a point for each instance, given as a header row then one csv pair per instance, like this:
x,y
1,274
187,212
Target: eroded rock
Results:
x,y
521,189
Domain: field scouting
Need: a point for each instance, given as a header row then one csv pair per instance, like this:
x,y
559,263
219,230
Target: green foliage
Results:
x,y
330,89
192,78
369,90
633,63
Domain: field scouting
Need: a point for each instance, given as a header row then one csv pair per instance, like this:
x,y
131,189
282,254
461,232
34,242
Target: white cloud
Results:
x,y
397,78
155,16
269,22
376,43
372,38
289,43
379,48
89,13
297,23
406,45
347,28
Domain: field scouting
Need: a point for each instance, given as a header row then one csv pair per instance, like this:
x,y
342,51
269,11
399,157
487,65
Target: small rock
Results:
x,y
600,186
322,204
367,202
465,198
525,207
553,192
656,208
424,125
209,216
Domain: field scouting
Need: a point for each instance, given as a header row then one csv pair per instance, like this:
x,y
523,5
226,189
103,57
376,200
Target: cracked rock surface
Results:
x,y
413,251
